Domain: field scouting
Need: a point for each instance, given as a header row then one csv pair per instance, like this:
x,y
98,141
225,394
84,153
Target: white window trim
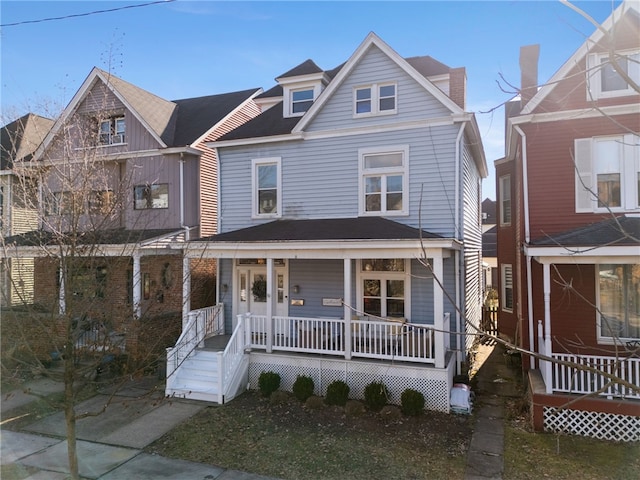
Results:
x,y
503,288
601,339
594,84
113,121
502,199
254,187
375,100
287,92
363,172
585,199
406,276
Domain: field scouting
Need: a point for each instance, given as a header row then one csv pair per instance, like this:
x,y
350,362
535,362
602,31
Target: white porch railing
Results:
x,y
574,380
200,324
230,361
386,340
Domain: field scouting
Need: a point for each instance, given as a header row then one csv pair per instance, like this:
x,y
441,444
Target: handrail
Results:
x,y
232,356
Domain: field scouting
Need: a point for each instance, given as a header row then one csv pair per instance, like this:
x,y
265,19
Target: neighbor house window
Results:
x,y
112,131
605,81
505,200
619,301
151,196
64,203
383,287
507,288
301,100
607,173
384,180
375,99
266,187
101,202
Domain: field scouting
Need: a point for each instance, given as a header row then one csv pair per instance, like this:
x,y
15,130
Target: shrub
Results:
x,y
314,403
412,402
268,382
354,408
375,396
391,413
303,387
279,398
337,393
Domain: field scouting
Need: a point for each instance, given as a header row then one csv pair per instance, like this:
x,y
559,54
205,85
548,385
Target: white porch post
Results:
x,y
548,380
186,290
270,303
137,285
438,310
62,302
347,309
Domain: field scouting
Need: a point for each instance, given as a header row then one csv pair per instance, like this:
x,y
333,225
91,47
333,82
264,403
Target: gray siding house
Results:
x,y
350,228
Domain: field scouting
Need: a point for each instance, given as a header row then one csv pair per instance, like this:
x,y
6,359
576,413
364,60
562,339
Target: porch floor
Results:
x,y
217,343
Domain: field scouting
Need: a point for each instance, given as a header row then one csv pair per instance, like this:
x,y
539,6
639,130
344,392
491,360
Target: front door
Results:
x,y
251,290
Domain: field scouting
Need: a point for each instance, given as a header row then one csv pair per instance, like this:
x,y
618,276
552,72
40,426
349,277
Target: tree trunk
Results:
x,y
70,412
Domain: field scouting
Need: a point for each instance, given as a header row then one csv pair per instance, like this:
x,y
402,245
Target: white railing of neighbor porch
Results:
x,y
200,324
573,380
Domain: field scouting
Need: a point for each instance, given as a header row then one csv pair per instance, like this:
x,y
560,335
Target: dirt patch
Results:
x,y
290,441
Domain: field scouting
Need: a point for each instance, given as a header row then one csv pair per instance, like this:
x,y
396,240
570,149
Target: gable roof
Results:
x,y
20,138
361,228
620,231
631,7
305,68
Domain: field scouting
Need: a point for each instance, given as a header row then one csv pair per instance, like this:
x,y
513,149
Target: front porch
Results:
x,y
208,365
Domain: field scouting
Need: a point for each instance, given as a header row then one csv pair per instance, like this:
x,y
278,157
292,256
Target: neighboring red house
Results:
x,y
568,208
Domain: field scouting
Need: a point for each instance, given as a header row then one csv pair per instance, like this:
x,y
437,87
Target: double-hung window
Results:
x,y
266,188
112,131
384,289
607,173
618,302
506,300
383,187
151,196
375,99
301,100
505,200
605,80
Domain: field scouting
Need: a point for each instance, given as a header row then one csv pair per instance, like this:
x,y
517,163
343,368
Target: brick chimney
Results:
x,y
529,55
458,86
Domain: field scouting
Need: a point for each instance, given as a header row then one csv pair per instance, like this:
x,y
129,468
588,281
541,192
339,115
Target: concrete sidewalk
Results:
x,y
110,444
496,380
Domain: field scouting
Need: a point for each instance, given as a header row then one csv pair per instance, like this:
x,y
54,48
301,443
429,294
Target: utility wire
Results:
x,y
85,14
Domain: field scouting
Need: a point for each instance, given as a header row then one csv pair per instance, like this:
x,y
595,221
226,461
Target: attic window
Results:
x,y
375,99
112,131
301,100
605,81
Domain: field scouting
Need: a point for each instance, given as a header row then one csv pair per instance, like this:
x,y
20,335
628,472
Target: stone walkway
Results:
x,y
495,380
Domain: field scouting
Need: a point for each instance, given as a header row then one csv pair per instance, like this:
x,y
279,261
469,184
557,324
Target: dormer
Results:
x,y
301,86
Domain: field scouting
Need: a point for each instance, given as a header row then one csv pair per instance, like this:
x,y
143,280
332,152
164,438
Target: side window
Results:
x,y
505,200
151,196
267,194
506,299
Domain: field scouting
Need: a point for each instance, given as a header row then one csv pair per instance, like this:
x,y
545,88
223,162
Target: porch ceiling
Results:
x,y
329,238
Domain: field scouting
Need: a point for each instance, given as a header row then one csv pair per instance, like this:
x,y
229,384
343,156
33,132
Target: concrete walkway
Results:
x,y
110,444
496,379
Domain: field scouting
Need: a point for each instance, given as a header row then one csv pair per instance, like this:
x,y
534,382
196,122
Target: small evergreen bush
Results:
x,y
337,393
268,382
412,402
303,387
375,396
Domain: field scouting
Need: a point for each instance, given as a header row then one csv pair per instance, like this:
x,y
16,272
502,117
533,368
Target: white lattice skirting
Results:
x,y
433,383
604,426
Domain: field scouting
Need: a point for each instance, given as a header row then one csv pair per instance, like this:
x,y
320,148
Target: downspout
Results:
x,y
181,190
527,237
459,260
458,154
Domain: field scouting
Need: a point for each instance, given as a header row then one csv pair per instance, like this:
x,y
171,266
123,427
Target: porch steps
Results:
x,y
197,378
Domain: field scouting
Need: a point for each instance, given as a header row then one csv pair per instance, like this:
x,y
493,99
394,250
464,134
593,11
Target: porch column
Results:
x,y
347,309
270,303
62,302
137,285
186,290
548,380
438,311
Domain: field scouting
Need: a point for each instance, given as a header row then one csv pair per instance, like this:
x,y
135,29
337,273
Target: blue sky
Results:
x,y
184,49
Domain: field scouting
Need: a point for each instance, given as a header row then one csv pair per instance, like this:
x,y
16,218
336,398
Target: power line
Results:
x,y
95,12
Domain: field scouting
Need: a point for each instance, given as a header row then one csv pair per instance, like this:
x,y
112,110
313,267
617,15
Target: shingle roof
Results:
x,y
197,115
620,231
20,138
269,123
305,68
367,228
428,66
37,238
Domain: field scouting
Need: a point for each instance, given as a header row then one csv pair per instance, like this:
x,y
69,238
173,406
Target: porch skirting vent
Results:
x,y
604,426
433,383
